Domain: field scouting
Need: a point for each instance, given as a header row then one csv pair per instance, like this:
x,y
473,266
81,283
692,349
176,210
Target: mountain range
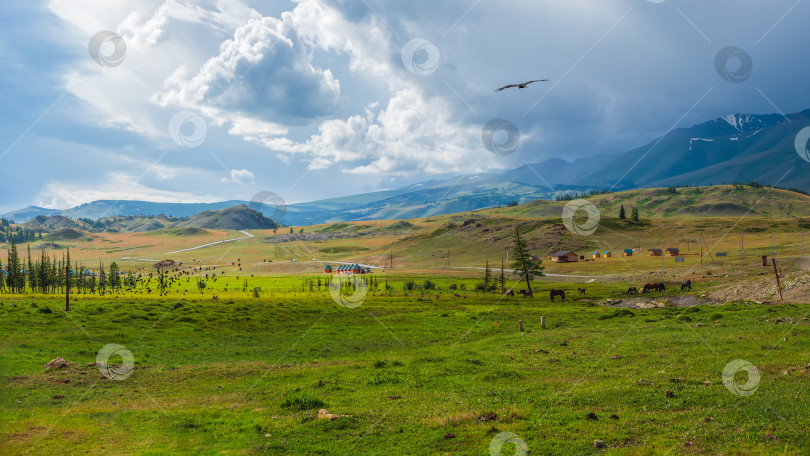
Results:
x,y
735,148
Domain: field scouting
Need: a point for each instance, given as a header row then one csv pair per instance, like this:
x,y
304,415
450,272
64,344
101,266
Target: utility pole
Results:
x,y
700,241
771,244
802,241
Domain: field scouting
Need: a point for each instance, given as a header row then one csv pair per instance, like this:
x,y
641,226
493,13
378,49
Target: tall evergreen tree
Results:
x,y
487,277
115,279
14,274
622,215
31,275
522,262
635,214
67,282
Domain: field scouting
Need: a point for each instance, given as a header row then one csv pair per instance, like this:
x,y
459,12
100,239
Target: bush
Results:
x,y
462,287
256,292
453,287
428,285
480,287
410,285
301,400
618,313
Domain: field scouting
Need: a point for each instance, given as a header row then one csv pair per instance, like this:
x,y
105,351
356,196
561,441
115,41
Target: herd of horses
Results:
x,y
647,288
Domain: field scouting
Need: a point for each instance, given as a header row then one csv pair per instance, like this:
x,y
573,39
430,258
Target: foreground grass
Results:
x,y
247,376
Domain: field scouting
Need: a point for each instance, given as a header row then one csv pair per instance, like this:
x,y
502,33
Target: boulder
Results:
x,y
56,363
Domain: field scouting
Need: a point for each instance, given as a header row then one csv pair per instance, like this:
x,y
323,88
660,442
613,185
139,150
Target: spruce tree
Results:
x,y
487,277
522,263
622,215
635,214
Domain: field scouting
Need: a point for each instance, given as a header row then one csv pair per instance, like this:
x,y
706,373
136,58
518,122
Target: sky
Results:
x,y
213,100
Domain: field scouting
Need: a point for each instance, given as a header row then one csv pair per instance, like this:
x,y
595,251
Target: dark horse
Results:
x,y
510,292
659,287
581,291
526,293
686,285
559,293
632,290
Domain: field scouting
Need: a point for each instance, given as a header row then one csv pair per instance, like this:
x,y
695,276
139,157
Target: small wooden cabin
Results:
x,y
565,257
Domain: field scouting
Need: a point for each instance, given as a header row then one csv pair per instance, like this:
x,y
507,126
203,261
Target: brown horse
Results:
x,y
510,292
632,290
559,293
650,287
526,293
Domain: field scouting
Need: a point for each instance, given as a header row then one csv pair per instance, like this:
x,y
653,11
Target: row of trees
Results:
x,y
7,232
633,214
51,275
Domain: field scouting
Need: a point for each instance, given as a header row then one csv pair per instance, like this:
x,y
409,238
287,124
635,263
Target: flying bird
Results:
x,y
520,86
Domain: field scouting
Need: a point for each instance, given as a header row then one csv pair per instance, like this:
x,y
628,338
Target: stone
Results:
x,y
56,363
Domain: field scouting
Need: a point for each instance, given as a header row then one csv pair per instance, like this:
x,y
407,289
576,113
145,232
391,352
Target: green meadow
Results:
x,y
422,372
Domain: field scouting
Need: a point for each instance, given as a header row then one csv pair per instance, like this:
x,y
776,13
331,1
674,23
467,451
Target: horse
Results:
x,y
559,293
526,293
510,292
581,291
632,290
648,288
687,285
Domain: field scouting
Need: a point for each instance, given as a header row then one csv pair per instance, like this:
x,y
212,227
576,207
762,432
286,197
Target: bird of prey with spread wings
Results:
x,y
520,86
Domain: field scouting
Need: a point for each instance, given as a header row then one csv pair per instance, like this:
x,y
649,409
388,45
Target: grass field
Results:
x,y
413,372
244,367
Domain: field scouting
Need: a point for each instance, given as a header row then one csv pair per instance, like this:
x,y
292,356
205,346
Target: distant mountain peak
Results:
x,y
750,122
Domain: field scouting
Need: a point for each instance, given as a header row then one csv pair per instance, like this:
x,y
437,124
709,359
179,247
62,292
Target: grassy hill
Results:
x,y
715,201
233,218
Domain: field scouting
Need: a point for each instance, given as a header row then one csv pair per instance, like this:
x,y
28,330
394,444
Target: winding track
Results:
x,y
247,236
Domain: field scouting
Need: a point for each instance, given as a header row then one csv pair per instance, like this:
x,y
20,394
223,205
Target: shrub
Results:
x,y
480,287
453,287
428,285
410,285
301,400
